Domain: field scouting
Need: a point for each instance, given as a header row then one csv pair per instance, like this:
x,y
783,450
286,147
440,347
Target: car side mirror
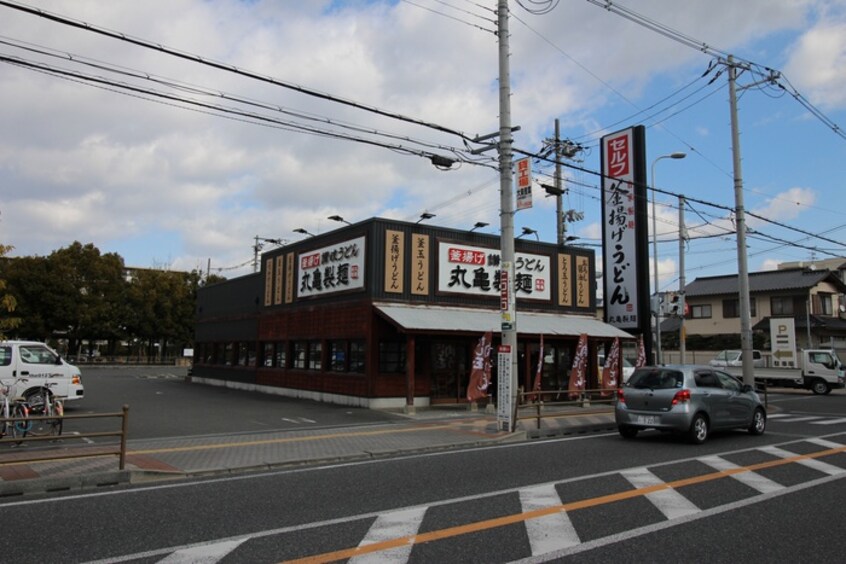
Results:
x,y
746,388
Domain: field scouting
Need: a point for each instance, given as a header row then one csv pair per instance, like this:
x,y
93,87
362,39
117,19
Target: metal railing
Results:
x,y
88,452
549,403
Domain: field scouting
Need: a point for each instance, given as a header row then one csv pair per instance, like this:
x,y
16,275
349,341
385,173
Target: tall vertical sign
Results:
x,y
624,230
524,183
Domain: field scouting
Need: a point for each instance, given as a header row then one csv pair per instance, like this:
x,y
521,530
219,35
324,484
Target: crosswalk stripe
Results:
x,y
825,443
550,532
752,479
393,525
791,419
777,415
831,421
819,465
204,554
668,501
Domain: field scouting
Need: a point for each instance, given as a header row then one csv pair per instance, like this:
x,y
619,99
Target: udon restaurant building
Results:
x,y
386,314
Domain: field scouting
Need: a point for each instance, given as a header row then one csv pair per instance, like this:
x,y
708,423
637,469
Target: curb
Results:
x,y
64,483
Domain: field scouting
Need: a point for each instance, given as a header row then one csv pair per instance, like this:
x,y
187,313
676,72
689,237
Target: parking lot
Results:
x,y
163,404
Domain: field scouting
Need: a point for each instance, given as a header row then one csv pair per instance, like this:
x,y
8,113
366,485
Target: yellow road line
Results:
x,y
572,506
219,446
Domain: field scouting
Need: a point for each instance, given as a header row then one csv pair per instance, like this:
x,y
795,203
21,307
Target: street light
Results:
x,y
338,218
479,225
303,231
677,155
529,231
425,215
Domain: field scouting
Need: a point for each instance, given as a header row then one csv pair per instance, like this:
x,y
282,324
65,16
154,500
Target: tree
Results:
x,y
88,294
8,303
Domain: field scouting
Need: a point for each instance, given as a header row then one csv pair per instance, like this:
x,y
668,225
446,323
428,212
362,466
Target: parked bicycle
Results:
x,y
46,410
13,412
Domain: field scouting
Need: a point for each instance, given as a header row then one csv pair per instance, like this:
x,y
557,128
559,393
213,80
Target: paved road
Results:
x,y
597,498
652,499
163,404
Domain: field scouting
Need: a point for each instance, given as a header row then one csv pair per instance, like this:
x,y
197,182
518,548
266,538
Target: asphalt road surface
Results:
x,y
162,404
598,498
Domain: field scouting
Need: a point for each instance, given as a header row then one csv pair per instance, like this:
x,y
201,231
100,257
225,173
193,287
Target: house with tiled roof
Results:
x,y
815,299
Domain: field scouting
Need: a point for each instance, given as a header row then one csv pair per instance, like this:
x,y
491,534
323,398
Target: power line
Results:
x,y
227,68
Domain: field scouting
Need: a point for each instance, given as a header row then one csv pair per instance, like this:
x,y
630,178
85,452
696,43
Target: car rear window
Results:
x,y
656,378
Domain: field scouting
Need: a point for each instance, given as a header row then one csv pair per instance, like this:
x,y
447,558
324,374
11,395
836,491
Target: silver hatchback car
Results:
x,y
688,399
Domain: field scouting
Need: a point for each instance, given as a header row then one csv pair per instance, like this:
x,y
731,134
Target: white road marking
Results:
x,y
751,479
791,419
830,421
388,526
668,501
203,554
550,532
818,465
825,443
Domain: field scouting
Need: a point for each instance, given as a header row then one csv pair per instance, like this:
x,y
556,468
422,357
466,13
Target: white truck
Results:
x,y
31,367
820,371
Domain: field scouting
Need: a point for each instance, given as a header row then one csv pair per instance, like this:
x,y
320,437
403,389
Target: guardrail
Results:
x,y
540,407
48,456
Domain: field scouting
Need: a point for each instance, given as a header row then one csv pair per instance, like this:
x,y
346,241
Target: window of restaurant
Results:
x,y
267,355
392,357
357,356
300,355
315,355
281,359
338,356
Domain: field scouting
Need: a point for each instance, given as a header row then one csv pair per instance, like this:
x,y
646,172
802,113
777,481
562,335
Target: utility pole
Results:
x,y
740,220
560,226
508,305
682,302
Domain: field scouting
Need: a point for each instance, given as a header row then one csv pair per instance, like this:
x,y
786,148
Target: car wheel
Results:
x,y
759,422
698,429
627,432
820,387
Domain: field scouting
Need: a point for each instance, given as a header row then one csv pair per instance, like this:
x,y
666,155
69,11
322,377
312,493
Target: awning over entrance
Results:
x,y
440,318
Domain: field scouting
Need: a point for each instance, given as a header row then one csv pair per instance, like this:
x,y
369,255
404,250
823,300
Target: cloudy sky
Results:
x,y
328,107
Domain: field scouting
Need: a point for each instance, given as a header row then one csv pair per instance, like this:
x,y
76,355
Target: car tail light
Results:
x,y
682,396
620,397
75,379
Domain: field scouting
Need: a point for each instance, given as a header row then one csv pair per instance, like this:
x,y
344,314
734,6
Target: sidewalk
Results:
x,y
427,430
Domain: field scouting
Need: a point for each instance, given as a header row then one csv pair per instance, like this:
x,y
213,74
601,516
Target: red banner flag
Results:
x,y
537,386
480,376
611,370
641,353
578,372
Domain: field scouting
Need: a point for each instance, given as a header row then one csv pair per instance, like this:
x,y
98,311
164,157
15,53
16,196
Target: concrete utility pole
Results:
x,y
740,220
506,187
560,226
682,302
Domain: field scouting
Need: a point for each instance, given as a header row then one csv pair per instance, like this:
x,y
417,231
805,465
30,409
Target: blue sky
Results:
x,y
175,187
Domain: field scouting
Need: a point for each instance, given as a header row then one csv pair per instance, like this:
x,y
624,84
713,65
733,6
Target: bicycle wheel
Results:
x,y
4,425
47,426
22,426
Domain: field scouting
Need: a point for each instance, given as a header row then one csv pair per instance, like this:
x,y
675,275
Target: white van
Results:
x,y
32,365
735,358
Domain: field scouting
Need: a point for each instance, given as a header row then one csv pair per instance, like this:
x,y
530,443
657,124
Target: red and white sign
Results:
x,y
618,224
464,269
524,183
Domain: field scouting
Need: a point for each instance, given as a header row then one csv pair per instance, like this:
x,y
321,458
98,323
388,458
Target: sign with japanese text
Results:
x,y
336,268
524,183
503,387
289,278
420,264
277,299
394,261
565,280
268,282
464,269
622,188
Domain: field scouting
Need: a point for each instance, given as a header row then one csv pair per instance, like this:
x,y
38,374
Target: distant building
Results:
x,y
387,313
813,298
